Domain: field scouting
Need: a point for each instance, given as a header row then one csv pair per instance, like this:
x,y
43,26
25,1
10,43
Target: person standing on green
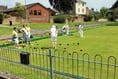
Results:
x,y
15,38
54,33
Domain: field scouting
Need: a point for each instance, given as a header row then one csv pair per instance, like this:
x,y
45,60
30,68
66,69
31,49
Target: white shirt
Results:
x,y
28,29
53,32
81,27
67,26
15,34
25,31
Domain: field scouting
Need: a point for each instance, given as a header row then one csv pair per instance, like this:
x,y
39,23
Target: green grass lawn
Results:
x,y
101,41
5,31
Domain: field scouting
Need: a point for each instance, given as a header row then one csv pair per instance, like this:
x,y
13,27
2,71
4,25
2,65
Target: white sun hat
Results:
x,y
53,26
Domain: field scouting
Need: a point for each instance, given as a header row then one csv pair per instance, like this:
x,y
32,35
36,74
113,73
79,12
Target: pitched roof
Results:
x,y
30,5
8,10
27,6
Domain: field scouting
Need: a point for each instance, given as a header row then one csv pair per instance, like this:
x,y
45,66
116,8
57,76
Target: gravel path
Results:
x,y
39,32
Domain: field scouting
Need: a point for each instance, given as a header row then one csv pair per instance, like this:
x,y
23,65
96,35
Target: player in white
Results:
x,y
25,34
54,33
66,29
28,30
15,38
81,30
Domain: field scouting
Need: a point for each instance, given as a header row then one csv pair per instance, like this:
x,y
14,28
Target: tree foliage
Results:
x,y
96,15
104,12
88,18
115,13
20,10
62,5
59,19
1,18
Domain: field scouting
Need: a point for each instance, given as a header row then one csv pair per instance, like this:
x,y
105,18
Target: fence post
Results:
x,y
51,64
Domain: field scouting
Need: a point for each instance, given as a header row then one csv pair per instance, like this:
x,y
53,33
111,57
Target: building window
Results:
x,y
78,4
39,12
35,12
78,9
83,10
83,4
30,12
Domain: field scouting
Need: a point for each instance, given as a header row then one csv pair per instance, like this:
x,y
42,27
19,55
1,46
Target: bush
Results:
x,y
113,24
88,18
1,18
59,19
74,16
111,18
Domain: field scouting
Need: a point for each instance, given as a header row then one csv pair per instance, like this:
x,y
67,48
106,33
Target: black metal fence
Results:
x,y
35,63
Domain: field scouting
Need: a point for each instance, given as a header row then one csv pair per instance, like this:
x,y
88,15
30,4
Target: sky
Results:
x,y
96,4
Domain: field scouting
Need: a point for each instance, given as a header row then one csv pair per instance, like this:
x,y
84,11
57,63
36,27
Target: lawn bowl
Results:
x,y
70,35
67,44
42,47
69,53
81,50
64,47
77,43
60,44
35,48
35,41
23,46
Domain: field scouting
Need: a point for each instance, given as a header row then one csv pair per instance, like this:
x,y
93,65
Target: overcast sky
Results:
x,y
96,4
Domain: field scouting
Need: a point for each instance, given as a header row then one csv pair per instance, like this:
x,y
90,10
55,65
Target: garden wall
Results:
x,y
15,20
79,19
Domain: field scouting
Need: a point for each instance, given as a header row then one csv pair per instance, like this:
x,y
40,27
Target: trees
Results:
x,y
63,5
115,13
104,12
88,18
20,10
1,18
96,15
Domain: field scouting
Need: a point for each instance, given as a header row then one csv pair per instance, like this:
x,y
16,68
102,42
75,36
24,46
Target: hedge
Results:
x,y
1,18
113,24
59,19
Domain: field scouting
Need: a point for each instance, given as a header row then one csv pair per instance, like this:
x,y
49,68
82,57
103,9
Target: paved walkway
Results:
x,y
39,32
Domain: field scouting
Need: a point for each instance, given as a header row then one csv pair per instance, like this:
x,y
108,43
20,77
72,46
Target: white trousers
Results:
x,y
67,32
81,33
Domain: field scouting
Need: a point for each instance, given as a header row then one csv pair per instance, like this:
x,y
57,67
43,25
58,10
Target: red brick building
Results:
x,y
36,13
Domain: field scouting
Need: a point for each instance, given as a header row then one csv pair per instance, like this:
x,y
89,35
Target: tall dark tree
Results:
x,y
62,5
104,12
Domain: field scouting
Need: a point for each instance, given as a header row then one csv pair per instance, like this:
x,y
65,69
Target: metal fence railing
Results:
x,y
35,63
